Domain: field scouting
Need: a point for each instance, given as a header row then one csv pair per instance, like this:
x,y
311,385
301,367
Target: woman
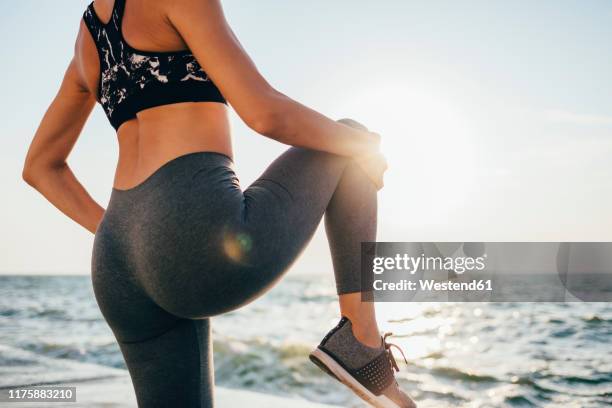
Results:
x,y
179,241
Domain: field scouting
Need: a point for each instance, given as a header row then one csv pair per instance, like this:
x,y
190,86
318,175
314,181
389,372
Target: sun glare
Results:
x,y
428,144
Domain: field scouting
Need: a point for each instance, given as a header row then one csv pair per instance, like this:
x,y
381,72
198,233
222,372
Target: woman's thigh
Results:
x,y
284,206
279,214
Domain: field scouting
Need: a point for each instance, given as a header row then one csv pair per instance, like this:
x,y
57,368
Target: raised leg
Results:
x,y
290,199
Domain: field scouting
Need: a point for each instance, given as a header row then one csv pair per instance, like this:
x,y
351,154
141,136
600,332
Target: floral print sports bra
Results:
x,y
132,80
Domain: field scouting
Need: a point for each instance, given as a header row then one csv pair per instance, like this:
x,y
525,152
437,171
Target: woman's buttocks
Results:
x,y
164,239
185,239
174,218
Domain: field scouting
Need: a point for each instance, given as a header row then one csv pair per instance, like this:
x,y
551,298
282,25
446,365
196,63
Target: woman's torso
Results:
x,y
159,134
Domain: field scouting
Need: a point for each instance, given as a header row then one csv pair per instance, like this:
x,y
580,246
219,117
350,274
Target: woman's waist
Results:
x,y
191,120
177,171
149,142
137,167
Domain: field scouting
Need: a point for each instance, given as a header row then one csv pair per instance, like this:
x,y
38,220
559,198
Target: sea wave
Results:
x,y
21,367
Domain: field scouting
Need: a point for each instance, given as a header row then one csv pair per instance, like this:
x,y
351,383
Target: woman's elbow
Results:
x,y
268,122
29,174
269,115
33,172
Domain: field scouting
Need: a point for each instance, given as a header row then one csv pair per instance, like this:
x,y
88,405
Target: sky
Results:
x,y
496,116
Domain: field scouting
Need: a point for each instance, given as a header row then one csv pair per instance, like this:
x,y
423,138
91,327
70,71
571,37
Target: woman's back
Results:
x,y
151,131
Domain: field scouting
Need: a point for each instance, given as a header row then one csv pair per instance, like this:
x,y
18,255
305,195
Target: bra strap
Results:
x,y
119,8
92,22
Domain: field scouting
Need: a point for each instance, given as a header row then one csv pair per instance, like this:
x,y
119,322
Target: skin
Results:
x,y
158,135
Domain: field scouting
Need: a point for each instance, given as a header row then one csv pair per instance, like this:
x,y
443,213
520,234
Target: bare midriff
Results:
x,y
160,134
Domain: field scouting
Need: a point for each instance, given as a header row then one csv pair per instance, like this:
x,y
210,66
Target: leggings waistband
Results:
x,y
175,170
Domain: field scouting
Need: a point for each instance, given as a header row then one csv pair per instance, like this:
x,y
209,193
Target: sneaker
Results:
x,y
367,371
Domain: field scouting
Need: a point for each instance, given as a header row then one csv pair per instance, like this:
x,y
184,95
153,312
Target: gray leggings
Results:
x,y
188,244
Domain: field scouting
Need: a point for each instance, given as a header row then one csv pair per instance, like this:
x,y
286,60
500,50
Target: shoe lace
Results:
x,y
390,354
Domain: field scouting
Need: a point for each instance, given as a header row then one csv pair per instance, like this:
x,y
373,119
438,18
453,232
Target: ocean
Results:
x,y
460,354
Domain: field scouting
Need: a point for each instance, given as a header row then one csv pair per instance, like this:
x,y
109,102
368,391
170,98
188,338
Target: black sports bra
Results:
x,y
132,80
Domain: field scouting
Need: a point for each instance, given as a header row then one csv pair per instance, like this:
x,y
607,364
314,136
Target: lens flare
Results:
x,y
237,245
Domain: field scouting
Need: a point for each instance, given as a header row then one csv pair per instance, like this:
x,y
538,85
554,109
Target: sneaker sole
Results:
x,y
329,365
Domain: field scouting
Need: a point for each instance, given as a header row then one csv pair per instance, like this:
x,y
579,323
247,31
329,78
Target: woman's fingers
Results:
x,y
353,123
360,126
374,165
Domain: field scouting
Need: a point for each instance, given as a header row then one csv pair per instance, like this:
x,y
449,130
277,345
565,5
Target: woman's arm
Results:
x,y
204,29
45,166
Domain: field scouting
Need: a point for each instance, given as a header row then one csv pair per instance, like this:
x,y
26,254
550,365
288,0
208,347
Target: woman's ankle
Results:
x,y
367,334
363,319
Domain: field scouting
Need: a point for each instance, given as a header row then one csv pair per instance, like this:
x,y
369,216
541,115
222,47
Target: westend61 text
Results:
x,y
431,285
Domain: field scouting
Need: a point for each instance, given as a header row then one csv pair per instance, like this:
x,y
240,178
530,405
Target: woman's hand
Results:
x,y
373,163
374,137
374,166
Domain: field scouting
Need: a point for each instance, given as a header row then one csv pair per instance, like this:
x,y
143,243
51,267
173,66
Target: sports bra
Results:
x,y
132,80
